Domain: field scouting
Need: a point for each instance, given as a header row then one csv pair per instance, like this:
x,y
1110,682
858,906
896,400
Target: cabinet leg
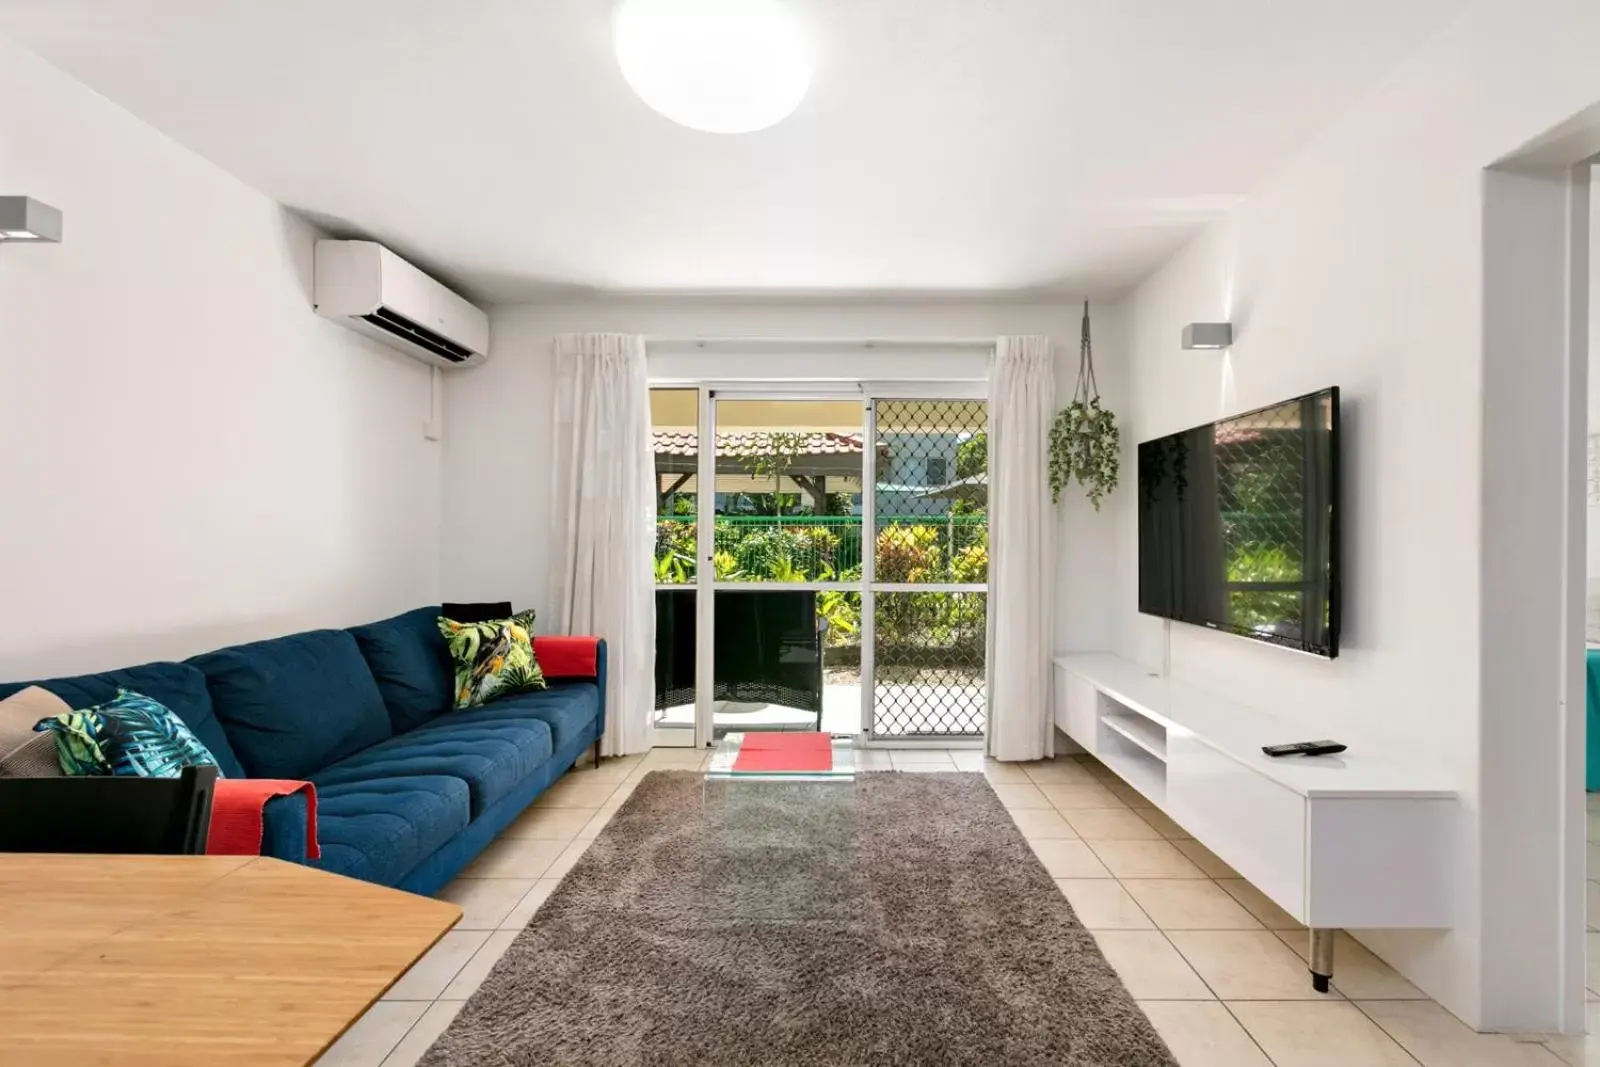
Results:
x,y
1321,959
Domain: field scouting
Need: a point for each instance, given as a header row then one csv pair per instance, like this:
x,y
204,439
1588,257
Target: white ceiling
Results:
x,y
946,145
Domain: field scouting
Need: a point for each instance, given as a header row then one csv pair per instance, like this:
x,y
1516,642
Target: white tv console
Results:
x,y
1352,840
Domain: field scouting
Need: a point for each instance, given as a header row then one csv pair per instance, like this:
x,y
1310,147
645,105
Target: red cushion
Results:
x,y
567,657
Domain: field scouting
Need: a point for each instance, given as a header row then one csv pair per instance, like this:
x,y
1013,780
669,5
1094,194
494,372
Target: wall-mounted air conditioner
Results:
x,y
373,291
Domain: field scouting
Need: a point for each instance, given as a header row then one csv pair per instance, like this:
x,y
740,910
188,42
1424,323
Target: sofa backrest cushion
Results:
x,y
411,662
179,686
293,705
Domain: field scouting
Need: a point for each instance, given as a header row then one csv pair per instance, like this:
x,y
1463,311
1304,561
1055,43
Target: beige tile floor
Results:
x,y
1216,966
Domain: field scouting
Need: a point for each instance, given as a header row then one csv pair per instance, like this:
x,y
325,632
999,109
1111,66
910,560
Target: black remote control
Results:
x,y
1305,748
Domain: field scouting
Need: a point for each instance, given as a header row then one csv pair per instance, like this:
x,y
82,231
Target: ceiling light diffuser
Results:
x,y
722,66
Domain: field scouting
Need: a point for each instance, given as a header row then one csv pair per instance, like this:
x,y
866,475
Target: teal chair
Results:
x,y
1591,741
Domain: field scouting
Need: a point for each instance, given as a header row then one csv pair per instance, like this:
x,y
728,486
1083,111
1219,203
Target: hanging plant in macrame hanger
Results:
x,y
1084,443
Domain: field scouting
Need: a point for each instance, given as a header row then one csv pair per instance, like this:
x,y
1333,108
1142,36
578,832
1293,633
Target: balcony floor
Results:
x,y
841,711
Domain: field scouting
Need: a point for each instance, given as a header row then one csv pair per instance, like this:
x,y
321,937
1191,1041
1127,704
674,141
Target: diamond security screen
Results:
x,y
932,532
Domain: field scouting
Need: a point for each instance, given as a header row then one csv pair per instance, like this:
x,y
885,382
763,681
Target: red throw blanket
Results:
x,y
236,807
567,657
785,753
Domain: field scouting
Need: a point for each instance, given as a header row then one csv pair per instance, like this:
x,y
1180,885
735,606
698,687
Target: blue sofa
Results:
x,y
408,790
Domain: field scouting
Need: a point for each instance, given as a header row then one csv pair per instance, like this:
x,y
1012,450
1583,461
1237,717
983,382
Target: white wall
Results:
x,y
1593,527
498,418
1359,265
190,456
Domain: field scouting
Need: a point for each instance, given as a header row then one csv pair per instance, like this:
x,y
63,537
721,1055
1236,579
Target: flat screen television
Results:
x,y
1239,525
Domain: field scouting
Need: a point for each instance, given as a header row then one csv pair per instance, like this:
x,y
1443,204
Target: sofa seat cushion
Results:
x,y
178,686
378,830
491,758
568,708
295,704
411,662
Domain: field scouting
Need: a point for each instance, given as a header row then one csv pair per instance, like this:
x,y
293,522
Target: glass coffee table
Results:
x,y
781,835
725,761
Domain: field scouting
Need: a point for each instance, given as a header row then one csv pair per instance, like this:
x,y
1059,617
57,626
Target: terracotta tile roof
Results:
x,y
755,443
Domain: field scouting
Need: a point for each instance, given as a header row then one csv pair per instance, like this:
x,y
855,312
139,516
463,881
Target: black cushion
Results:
x,y
486,612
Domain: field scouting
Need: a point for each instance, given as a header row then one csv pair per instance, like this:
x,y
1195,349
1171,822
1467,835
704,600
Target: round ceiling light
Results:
x,y
722,66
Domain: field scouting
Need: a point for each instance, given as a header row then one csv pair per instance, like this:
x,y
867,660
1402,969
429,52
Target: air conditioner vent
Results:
x,y
365,287
393,322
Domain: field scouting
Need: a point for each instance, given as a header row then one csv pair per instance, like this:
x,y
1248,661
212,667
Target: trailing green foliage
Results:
x,y
1085,446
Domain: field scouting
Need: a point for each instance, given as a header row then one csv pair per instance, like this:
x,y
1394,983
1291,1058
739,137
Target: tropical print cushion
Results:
x,y
130,735
492,659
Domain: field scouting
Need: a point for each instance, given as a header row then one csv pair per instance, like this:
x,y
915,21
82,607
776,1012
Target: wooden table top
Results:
x,y
177,960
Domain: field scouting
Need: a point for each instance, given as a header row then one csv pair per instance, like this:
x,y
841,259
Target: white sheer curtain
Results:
x,y
1022,397
604,505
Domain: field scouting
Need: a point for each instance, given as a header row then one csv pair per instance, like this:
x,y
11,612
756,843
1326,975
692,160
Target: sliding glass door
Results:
x,y
786,564
788,595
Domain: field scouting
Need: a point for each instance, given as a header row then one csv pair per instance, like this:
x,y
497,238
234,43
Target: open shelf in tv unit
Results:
x,y
1131,726
1134,746
1341,842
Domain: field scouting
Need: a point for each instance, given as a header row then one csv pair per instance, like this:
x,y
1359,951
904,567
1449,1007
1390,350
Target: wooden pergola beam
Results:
x,y
817,487
663,494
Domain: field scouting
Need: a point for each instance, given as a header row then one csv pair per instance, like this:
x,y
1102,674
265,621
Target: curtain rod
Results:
x,y
713,343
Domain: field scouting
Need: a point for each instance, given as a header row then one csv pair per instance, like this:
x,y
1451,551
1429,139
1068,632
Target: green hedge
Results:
x,y
951,548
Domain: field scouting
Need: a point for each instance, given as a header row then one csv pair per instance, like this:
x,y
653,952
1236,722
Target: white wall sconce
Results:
x,y
1208,335
22,218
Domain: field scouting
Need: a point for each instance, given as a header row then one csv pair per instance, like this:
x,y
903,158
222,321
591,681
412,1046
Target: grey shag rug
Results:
x,y
899,920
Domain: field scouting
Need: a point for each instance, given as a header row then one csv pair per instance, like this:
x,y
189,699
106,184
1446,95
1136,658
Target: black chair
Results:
x,y
769,647
108,815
